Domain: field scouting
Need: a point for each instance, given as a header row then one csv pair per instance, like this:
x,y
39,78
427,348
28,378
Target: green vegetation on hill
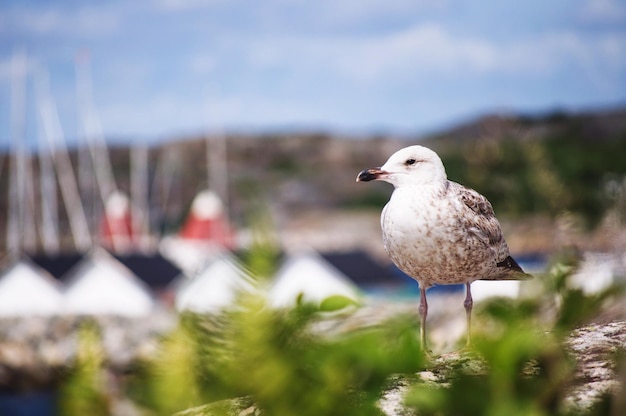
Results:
x,y
562,170
524,165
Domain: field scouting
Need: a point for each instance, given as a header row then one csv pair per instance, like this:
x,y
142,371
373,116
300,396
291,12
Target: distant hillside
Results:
x,y
524,164
542,164
590,125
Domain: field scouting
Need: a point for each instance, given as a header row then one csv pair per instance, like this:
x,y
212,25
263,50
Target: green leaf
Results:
x,y
336,302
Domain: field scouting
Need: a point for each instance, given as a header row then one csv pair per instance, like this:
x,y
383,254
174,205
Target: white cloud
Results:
x,y
18,60
603,10
433,50
85,21
252,109
295,60
43,22
422,48
186,5
203,63
5,68
542,53
168,113
597,59
612,48
347,11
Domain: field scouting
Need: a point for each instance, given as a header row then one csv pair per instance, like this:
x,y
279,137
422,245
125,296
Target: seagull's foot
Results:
x,y
466,351
467,348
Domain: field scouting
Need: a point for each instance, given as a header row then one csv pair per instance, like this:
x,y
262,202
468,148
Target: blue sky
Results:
x,y
174,67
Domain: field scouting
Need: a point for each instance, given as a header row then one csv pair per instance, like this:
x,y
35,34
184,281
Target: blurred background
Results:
x,y
160,135
283,103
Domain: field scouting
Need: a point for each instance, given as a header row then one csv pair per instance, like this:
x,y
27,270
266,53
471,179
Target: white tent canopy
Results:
x,y
101,285
215,288
598,271
485,289
189,255
309,276
26,290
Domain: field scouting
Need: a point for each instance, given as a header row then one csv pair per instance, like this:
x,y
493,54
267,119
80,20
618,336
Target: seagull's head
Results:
x,y
413,165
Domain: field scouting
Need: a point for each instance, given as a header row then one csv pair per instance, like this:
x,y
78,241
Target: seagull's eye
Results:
x,y
410,162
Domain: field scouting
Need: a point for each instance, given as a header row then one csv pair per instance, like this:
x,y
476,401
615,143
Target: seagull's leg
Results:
x,y
423,311
469,302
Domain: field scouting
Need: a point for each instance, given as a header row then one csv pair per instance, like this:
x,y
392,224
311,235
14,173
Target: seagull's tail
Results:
x,y
510,270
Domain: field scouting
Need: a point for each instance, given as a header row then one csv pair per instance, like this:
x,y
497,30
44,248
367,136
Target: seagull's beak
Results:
x,y
370,174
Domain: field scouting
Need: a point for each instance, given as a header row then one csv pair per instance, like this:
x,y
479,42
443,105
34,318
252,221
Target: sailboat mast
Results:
x,y
164,185
20,227
48,192
92,130
47,184
217,179
217,167
57,149
16,178
140,213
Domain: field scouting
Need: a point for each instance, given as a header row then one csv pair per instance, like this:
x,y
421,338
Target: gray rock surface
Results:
x,y
600,351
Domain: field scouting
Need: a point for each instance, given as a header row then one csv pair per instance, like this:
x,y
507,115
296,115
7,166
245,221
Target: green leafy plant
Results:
x,y
277,358
264,361
519,361
85,389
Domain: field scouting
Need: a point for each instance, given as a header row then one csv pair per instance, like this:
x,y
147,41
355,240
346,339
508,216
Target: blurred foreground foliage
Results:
x,y
283,362
521,364
275,357
85,392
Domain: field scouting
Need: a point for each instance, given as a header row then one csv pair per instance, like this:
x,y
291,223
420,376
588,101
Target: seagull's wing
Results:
x,y
479,218
480,221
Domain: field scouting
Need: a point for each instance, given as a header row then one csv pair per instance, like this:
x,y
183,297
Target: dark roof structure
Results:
x,y
370,275
57,265
155,270
359,266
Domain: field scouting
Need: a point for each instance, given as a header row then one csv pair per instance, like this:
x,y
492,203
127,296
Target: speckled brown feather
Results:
x,y
486,226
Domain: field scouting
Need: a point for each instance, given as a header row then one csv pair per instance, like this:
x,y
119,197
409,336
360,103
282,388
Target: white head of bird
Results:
x,y
413,165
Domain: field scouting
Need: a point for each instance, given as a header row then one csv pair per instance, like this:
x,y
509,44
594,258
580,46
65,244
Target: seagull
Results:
x,y
438,231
